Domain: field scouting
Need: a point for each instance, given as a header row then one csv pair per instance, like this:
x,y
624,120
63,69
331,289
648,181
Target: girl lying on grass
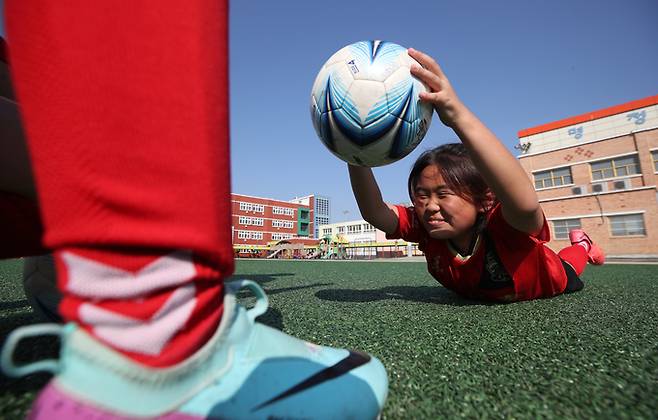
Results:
x,y
475,213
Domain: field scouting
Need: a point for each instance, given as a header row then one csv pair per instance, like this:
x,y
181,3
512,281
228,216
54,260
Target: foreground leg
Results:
x,y
126,112
122,140
245,371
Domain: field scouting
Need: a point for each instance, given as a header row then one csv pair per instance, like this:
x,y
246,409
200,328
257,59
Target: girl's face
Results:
x,y
443,213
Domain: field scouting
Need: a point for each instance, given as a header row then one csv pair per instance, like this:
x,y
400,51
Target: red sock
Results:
x,y
575,256
125,107
156,308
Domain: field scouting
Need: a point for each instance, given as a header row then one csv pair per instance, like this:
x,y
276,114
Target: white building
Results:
x,y
364,241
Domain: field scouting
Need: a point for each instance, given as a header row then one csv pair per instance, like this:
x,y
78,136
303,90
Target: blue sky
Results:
x,y
515,63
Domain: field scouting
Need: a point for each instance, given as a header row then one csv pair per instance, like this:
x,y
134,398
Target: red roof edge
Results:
x,y
606,112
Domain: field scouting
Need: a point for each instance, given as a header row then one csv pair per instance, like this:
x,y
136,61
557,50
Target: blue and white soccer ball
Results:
x,y
365,106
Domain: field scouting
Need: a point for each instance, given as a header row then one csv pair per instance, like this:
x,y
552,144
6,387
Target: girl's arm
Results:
x,y
369,198
501,171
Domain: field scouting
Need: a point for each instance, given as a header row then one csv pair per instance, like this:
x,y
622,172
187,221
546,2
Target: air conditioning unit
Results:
x,y
579,190
622,184
599,187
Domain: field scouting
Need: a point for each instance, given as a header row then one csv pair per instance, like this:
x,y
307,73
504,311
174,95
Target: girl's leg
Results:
x,y
574,259
574,283
126,111
595,254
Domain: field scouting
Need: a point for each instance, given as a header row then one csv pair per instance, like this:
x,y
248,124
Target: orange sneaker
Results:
x,y
595,255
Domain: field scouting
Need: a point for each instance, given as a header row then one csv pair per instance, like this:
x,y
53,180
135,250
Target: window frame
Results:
x,y
614,169
633,233
557,230
553,175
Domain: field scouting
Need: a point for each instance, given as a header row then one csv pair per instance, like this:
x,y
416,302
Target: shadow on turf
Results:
x,y
260,278
272,318
424,294
263,279
14,305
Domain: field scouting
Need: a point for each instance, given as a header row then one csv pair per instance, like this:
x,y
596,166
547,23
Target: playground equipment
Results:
x,y
314,253
275,254
330,248
286,249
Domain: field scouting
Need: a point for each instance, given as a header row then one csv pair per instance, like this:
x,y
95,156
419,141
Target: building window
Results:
x,y
246,234
326,231
654,155
354,229
367,227
553,178
256,208
282,224
283,210
623,166
322,205
246,220
561,228
281,236
341,229
627,225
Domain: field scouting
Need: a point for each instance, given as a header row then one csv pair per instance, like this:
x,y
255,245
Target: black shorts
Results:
x,y
574,283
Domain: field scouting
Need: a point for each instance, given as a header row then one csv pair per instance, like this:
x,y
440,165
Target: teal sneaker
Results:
x,y
245,371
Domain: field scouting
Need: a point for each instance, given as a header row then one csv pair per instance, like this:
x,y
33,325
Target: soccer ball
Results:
x,y
40,285
365,106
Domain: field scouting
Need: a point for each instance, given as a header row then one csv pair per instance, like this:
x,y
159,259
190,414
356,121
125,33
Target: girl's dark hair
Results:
x,y
458,171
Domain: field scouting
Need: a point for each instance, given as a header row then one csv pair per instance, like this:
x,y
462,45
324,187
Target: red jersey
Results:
x,y
505,264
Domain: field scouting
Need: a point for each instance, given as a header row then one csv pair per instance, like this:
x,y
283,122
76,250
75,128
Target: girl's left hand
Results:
x,y
441,94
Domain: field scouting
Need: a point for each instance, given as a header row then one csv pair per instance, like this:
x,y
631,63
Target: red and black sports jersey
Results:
x,y
505,265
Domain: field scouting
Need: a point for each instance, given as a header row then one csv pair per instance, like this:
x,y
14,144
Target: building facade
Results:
x,y
598,171
257,221
365,241
320,210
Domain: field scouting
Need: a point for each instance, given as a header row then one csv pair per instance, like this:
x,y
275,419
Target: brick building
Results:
x,y
257,221
320,210
599,171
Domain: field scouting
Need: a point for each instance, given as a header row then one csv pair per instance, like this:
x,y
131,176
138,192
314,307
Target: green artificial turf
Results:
x,y
592,354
